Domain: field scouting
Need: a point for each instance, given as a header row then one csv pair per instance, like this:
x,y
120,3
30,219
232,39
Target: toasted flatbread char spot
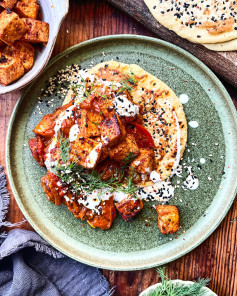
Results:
x,y
198,21
163,113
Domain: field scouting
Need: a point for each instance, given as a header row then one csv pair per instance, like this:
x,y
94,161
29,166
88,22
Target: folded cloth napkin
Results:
x,y
29,266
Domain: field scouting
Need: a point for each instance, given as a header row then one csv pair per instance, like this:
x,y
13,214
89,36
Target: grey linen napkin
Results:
x,y
29,266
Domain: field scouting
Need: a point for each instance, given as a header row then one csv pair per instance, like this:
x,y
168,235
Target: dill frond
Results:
x,y
169,288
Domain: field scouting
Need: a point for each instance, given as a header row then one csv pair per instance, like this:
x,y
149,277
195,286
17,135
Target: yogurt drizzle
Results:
x,y
193,124
191,181
184,99
124,107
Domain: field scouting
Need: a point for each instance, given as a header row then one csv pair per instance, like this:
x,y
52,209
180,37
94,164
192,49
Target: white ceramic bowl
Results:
x,y
150,289
53,12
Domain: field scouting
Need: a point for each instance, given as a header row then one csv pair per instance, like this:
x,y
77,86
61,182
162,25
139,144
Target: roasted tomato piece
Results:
x,y
108,213
53,156
78,210
168,218
141,135
37,149
129,208
74,207
108,168
54,188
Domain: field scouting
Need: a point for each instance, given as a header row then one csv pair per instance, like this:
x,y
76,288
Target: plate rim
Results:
x,y
157,41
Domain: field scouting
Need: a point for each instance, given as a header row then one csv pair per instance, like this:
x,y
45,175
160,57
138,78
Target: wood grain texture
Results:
x,y
216,257
223,63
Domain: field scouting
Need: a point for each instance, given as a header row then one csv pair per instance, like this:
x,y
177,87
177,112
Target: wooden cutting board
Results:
x,y
222,63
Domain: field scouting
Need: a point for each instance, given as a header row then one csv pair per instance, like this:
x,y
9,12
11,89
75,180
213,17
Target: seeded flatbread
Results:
x,y
162,112
208,21
223,46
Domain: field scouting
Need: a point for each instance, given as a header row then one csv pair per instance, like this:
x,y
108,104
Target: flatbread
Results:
x,y
223,46
208,21
163,112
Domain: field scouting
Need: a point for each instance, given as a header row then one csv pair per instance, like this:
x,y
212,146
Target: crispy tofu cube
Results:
x,y
144,162
8,3
108,169
45,127
88,122
22,50
112,130
105,151
12,28
124,148
27,8
129,208
103,105
86,152
37,31
104,154
10,69
168,218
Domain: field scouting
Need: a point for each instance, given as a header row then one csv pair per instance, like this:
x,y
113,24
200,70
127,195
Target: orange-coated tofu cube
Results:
x,y
88,123
122,150
12,28
22,50
27,8
168,218
10,69
112,130
129,208
37,31
144,162
86,152
8,3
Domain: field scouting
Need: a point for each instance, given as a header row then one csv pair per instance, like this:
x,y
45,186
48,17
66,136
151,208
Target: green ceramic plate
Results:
x,y
139,244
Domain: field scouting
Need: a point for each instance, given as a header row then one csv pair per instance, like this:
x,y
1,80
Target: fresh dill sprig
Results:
x,y
80,179
129,158
132,79
169,288
64,147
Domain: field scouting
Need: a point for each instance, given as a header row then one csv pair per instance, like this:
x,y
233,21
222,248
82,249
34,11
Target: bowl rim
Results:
x,y
178,281
21,82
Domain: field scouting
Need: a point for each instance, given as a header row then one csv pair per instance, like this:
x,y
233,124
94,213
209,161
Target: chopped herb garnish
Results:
x,y
128,83
64,148
168,288
81,179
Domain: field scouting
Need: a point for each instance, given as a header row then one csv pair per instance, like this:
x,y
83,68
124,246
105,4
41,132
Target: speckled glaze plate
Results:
x,y
139,244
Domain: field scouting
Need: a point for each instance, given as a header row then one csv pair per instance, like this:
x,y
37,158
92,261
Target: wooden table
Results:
x,y
216,257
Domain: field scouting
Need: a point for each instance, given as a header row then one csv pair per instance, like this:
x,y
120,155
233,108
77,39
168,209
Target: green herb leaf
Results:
x,y
64,148
81,179
168,288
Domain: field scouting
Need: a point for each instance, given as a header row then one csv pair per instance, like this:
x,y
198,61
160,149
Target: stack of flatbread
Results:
x,y
213,23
